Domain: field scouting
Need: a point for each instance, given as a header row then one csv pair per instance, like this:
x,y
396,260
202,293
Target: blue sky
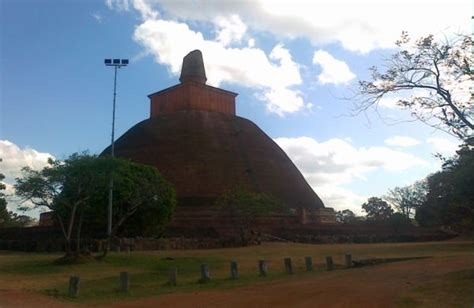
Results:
x,y
291,63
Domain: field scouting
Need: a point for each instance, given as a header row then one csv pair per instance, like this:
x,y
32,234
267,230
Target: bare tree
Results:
x,y
438,75
408,199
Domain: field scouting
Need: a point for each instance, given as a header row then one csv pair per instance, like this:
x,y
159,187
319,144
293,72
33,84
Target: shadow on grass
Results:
x,y
377,261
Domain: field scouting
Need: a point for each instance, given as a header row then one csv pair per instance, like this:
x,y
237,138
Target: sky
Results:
x,y
295,65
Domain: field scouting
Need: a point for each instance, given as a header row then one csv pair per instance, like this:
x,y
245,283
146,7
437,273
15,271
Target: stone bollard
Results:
x,y
124,282
234,270
329,264
309,263
172,277
262,268
205,277
74,282
288,266
348,259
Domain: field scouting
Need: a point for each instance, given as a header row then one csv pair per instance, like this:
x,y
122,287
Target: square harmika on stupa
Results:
x,y
194,138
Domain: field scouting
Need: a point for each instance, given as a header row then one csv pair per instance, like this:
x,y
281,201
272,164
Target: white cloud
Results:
x,y
358,26
355,27
333,70
273,76
230,29
443,146
14,159
251,43
118,5
329,165
401,141
97,17
145,9
341,199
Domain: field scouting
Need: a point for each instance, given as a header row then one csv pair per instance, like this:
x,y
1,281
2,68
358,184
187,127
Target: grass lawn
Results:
x,y
34,272
452,290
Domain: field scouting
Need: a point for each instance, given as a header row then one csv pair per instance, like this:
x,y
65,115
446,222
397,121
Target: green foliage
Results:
x,y
398,221
377,209
141,195
4,214
76,190
64,187
450,198
8,218
347,216
243,208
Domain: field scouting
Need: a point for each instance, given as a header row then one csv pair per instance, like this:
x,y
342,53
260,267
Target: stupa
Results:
x,y
194,138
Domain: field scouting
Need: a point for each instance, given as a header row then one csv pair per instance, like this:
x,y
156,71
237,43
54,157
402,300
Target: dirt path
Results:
x,y
377,286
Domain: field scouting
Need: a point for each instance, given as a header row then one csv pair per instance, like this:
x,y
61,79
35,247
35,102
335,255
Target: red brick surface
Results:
x,y
206,153
192,96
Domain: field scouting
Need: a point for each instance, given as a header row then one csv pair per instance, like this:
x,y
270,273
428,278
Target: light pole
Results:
x,y
116,63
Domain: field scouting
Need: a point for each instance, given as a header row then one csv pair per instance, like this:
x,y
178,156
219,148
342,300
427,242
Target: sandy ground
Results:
x,y
376,286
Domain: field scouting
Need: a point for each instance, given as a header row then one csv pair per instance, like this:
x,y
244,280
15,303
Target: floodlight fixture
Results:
x,y
116,62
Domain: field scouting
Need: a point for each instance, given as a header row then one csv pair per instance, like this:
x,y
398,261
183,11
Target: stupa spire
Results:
x,y
193,68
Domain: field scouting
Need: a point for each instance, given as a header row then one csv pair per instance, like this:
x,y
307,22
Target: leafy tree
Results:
x,y
244,208
76,191
407,199
63,187
450,198
143,200
437,74
9,218
377,209
397,221
346,216
4,214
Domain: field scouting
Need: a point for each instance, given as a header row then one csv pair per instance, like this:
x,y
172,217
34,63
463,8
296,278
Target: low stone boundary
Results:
x,y
49,239
203,273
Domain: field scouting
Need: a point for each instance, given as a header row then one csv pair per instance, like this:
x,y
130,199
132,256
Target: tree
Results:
x,y
450,199
64,187
407,199
437,74
346,216
76,191
9,219
377,209
244,208
4,214
143,200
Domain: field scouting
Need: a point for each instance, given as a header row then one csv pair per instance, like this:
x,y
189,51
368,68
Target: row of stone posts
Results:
x,y
74,281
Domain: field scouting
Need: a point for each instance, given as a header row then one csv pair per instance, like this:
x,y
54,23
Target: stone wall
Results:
x,y
49,239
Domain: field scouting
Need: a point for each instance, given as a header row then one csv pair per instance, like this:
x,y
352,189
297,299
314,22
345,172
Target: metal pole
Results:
x,y
112,152
113,113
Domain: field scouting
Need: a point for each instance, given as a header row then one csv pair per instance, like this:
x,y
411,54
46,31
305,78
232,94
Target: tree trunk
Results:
x,y
78,235
106,248
69,229
63,229
68,247
115,228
